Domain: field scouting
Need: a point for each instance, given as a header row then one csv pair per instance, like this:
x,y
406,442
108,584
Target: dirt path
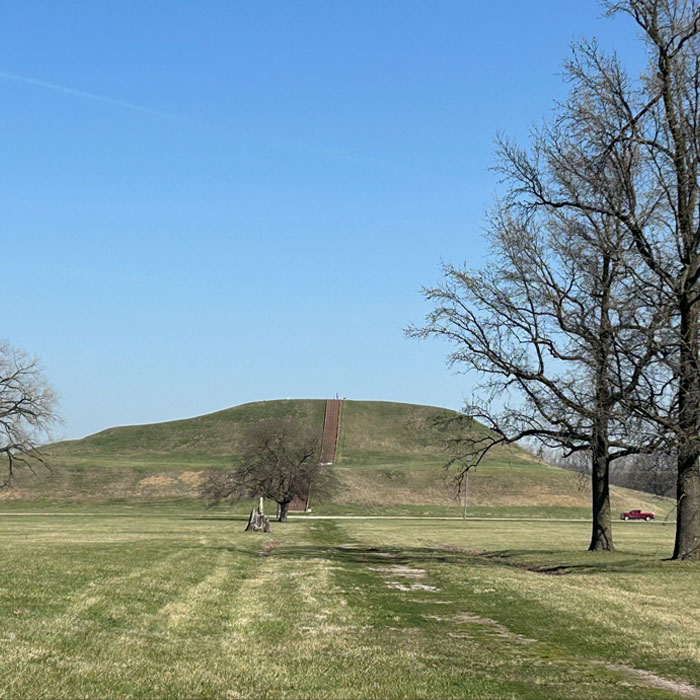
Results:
x,y
683,690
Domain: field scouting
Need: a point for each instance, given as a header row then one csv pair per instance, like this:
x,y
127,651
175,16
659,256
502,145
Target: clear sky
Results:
x,y
209,203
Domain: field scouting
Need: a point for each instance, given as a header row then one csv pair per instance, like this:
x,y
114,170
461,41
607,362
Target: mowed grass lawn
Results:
x,y
163,603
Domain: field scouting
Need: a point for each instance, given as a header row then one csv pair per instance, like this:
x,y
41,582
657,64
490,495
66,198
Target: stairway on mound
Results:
x,y
331,423
329,442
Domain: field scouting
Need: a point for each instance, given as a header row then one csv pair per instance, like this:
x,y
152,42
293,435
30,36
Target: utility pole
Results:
x,y
466,490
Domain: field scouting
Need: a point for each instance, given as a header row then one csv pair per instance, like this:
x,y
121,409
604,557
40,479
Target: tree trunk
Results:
x,y
601,537
687,545
284,507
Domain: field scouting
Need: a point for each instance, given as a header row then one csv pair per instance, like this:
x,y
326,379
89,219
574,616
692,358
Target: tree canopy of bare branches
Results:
x,y
279,460
552,324
27,411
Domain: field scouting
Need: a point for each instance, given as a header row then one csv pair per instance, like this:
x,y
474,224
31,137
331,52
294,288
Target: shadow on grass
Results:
x,y
540,561
234,518
534,561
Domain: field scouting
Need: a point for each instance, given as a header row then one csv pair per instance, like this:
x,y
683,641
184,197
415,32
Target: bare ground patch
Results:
x,y
391,571
397,585
268,548
156,481
12,494
684,690
493,625
193,479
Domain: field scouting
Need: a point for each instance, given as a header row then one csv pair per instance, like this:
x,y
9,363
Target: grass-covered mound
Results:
x,y
212,435
390,459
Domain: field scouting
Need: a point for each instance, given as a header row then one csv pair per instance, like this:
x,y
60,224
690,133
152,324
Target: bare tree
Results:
x,y
27,411
635,160
279,460
588,310
552,322
628,151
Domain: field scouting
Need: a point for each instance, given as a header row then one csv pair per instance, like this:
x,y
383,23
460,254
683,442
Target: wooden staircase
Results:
x,y
331,423
329,443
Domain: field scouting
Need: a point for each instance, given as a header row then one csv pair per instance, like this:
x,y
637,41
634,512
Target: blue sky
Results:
x,y
209,203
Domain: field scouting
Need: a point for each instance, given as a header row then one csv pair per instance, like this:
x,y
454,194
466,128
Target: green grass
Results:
x,y
173,602
371,431
214,434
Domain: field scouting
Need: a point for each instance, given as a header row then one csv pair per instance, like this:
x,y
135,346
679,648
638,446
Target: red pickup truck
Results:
x,y
637,515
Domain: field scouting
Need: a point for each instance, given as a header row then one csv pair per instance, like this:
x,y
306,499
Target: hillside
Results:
x,y
371,431
390,455
214,434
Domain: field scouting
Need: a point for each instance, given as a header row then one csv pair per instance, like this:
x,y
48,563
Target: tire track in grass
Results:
x,y
59,651
291,632
288,623
585,595
185,634
414,659
104,636
166,645
201,640
182,610
587,615
588,599
651,680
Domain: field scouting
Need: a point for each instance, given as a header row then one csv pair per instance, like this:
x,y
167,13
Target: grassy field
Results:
x,y
170,601
117,583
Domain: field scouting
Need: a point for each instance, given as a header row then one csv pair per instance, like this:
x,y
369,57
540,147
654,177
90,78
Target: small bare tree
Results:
x,y
279,460
28,409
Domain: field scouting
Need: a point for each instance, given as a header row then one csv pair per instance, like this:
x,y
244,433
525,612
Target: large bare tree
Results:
x,y
629,149
553,322
620,155
28,409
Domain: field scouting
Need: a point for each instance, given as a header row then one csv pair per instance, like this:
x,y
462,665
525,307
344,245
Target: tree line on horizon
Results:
x,y
583,321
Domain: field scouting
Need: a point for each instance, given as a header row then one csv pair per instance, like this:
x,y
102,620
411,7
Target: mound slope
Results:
x,y
369,431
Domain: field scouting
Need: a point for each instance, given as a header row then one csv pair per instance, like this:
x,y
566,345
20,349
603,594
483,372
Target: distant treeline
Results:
x,y
654,473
